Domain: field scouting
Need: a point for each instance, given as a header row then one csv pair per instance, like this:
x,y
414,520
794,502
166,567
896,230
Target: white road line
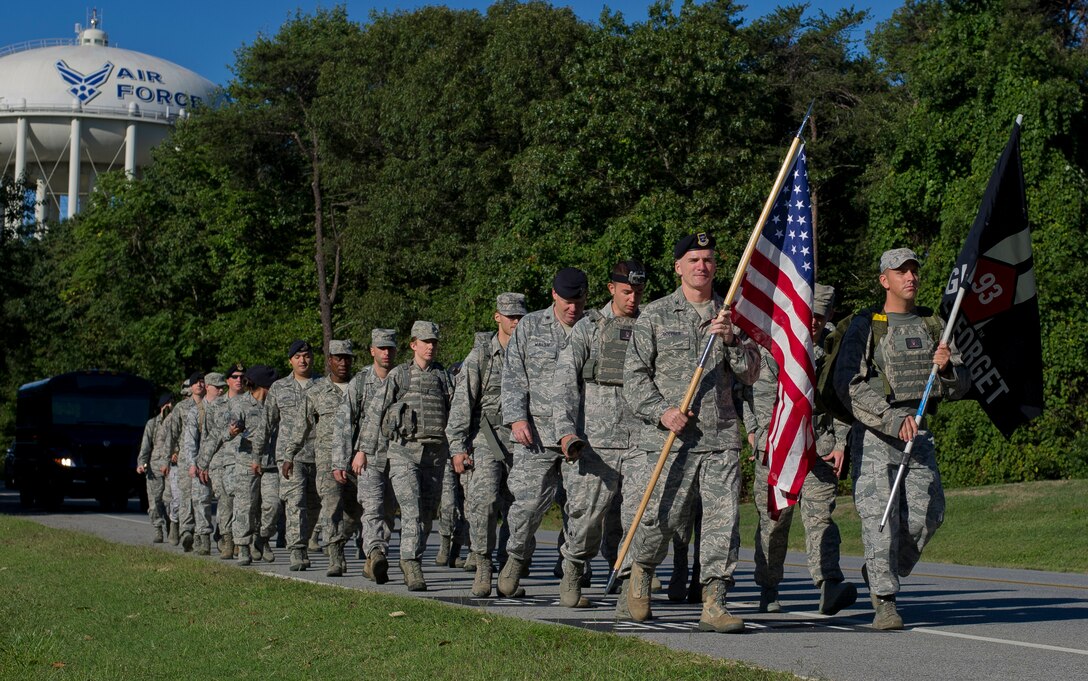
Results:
x,y
987,639
141,521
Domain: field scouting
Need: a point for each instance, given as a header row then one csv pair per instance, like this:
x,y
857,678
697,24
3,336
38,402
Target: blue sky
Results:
x,y
203,36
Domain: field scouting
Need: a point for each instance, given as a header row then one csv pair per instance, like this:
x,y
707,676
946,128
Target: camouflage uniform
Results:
x,y
180,483
527,395
817,501
589,402
252,448
668,340
218,456
340,514
476,397
152,459
418,401
375,492
904,357
200,493
295,443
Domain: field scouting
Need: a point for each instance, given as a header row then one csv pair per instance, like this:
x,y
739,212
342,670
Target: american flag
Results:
x,y
774,307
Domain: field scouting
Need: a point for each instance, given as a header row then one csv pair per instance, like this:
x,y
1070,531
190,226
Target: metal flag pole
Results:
x,y
689,396
965,283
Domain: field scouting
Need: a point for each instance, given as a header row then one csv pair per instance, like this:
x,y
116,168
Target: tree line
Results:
x,y
416,164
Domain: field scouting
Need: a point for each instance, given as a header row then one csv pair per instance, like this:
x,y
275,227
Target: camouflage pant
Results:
x,y
223,489
156,509
379,506
821,533
347,518
271,502
589,497
202,499
186,519
630,467
534,479
484,485
451,510
893,553
710,477
172,495
418,487
247,504
301,504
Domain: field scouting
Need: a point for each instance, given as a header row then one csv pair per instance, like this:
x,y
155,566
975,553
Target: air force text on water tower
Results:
x,y
130,83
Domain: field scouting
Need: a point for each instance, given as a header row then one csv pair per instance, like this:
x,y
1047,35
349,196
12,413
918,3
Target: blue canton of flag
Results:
x,y
774,307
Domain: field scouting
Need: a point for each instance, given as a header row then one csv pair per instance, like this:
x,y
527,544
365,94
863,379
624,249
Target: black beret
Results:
x,y
693,242
196,377
298,346
571,283
261,375
165,399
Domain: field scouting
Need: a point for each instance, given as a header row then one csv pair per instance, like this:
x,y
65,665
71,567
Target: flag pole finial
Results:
x,y
1019,119
804,121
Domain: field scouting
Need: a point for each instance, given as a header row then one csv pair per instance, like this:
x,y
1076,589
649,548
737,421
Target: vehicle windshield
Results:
x,y
99,410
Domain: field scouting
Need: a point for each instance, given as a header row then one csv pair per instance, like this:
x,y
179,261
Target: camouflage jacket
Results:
x,y
319,407
395,387
253,443
596,411
528,372
148,442
831,433
471,399
174,425
287,397
668,340
857,372
348,431
215,449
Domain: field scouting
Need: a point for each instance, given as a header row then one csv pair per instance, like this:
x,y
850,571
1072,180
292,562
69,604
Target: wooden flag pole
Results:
x,y
689,396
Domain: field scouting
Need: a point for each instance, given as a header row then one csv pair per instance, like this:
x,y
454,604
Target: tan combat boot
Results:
x,y
623,613
443,555
715,615
297,563
244,557
187,541
481,586
204,545
887,617
413,575
172,535
470,562
570,587
510,577
157,539
227,552
337,564
305,559
379,566
638,593
266,550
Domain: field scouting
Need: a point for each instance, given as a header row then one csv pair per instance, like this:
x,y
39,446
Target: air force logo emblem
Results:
x,y
702,239
84,87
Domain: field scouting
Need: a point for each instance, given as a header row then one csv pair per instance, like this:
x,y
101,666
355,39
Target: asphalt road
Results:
x,y
962,622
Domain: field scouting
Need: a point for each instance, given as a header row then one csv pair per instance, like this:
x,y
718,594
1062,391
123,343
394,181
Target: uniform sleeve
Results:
x,y
255,435
744,360
852,371
272,417
515,378
956,386
172,434
639,389
466,397
147,443
343,428
764,394
190,437
213,436
567,383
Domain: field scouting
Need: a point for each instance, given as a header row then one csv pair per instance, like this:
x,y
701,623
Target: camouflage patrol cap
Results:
x,y
511,304
215,379
383,338
824,300
895,258
341,347
424,331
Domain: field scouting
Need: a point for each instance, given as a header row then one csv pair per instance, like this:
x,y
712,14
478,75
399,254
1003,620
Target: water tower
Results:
x,y
73,109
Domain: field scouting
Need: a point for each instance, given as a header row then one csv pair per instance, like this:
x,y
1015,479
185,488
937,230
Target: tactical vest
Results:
x,y
905,358
491,380
427,397
613,337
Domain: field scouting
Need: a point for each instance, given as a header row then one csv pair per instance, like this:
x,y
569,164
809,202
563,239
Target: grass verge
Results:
x,y
76,607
